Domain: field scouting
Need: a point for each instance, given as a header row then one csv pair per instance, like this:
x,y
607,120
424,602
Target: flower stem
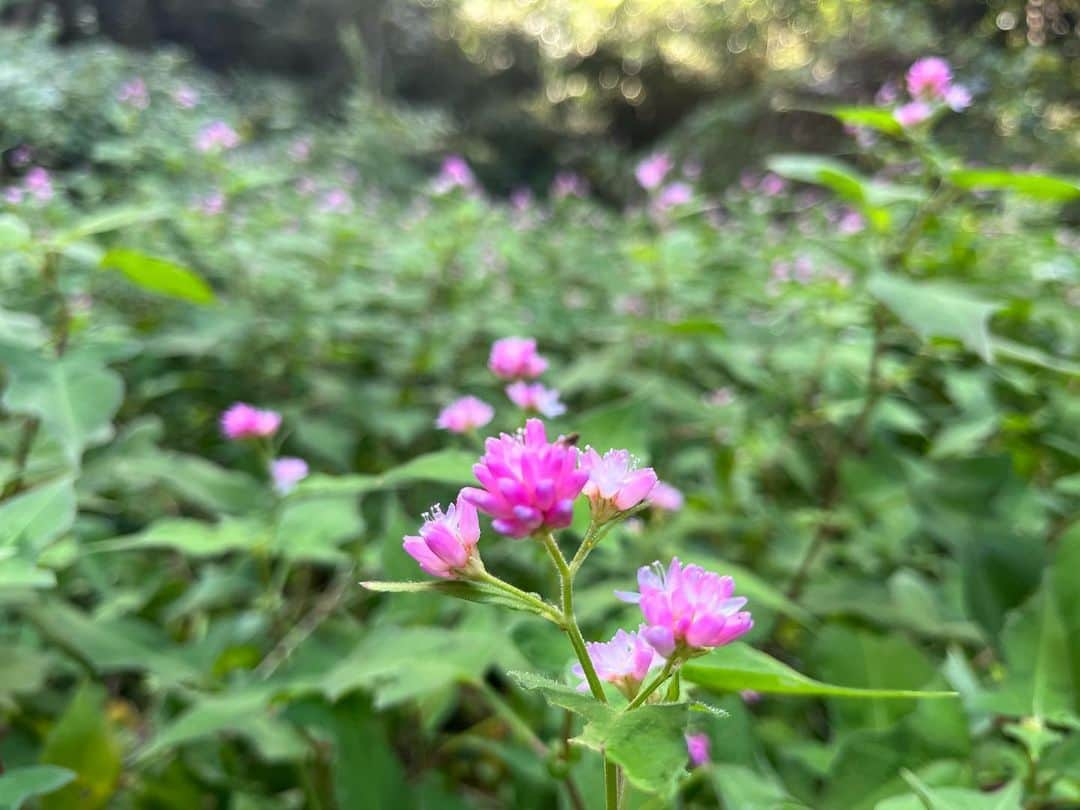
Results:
x,y
548,611
655,684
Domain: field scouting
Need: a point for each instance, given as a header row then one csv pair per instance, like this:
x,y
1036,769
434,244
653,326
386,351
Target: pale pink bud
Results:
x,y
652,170
614,484
536,398
243,421
446,545
664,496
929,78
287,472
465,415
625,661
697,745
912,114
514,358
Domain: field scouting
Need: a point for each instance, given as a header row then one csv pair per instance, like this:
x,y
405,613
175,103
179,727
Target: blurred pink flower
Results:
x,y
521,199
243,421
625,661
300,149
38,183
13,195
21,156
446,545
804,270
851,222
887,95
650,172
212,204
569,184
287,472
929,78
535,398
614,484
688,609
958,98
674,194
912,114
748,181
454,173
305,186
780,271
772,184
697,745
528,483
465,415
515,358
666,497
216,136
134,94
336,201
185,97
721,397
749,696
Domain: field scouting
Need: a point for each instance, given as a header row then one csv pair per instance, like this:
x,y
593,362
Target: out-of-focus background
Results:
x,y
816,263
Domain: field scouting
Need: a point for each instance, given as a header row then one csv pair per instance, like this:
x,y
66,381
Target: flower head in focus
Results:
x,y
243,421
614,484
665,497
465,415
446,545
536,398
528,482
929,78
697,746
650,172
687,609
516,358
625,661
287,472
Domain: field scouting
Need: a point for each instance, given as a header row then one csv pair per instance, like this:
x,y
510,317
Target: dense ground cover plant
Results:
x,y
234,380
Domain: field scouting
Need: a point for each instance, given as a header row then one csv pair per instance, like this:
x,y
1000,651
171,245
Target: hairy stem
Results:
x,y
654,684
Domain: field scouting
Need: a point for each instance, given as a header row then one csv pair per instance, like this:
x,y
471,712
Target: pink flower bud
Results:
x,y
464,415
614,484
650,172
243,421
528,483
287,472
446,545
515,358
912,114
697,745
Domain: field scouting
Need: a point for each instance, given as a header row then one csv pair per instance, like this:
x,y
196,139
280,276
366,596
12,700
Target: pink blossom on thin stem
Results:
x,y
528,483
615,484
185,97
216,136
625,661
38,183
454,173
287,472
665,497
688,609
697,746
650,172
514,358
446,545
243,421
929,78
465,415
535,398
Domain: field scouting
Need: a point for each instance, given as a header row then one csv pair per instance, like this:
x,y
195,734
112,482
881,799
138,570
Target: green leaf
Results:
x,y
311,529
245,713
470,591
1034,357
19,574
35,518
19,784
14,233
877,118
159,275
622,425
444,466
73,396
106,221
1040,186
740,786
739,666
84,742
193,538
936,309
953,798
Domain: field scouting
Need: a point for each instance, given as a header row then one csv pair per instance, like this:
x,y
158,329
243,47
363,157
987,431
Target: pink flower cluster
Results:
x,y
216,136
687,609
929,83
446,545
569,184
515,358
134,94
535,398
243,421
454,173
528,483
615,484
36,184
625,661
465,415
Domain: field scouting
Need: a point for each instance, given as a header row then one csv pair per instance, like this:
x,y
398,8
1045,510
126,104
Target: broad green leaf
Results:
x,y
1065,577
1039,186
73,396
106,221
738,666
740,786
159,275
108,646
312,528
848,184
938,309
84,742
193,538
926,797
1039,678
1034,357
877,118
444,466
18,574
246,713
35,518
622,425
471,591
19,784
